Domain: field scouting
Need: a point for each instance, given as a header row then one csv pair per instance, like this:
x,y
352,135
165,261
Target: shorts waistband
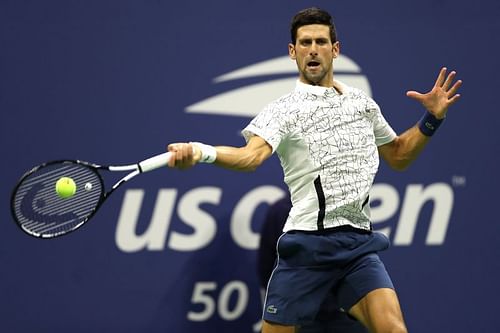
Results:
x,y
327,231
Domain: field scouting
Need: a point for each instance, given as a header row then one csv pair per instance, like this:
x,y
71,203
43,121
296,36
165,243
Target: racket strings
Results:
x,y
40,211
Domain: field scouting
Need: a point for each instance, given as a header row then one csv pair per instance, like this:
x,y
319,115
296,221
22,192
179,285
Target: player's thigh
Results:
x,y
269,327
380,311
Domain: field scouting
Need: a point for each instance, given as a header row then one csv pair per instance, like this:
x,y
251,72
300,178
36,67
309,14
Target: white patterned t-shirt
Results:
x,y
327,145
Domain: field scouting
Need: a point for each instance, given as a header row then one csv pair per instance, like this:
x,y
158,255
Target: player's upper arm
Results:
x,y
387,151
401,152
260,147
395,155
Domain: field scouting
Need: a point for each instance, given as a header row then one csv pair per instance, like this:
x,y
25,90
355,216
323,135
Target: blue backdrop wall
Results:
x,y
114,82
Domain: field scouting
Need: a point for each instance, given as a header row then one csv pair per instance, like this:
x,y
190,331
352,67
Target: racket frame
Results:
x,y
136,169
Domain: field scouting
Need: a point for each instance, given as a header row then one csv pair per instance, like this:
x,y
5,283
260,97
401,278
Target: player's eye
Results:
x,y
305,42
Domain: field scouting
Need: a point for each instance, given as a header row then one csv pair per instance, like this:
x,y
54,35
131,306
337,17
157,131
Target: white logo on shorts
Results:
x,y
271,309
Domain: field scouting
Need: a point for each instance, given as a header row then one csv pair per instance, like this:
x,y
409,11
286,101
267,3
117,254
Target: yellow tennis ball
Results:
x,y
65,187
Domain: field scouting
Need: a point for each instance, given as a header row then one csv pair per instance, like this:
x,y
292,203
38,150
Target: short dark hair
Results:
x,y
312,15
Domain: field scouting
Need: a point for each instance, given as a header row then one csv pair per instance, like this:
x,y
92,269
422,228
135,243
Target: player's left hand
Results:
x,y
442,96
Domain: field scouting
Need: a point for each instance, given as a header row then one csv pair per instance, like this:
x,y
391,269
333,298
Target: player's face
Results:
x,y
314,52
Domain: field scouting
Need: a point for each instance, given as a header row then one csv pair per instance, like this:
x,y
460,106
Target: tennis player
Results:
x,y
328,137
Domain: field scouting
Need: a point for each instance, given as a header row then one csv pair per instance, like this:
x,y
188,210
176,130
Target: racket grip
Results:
x,y
155,162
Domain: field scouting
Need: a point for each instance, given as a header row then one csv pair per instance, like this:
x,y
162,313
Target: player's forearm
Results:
x,y
407,147
247,158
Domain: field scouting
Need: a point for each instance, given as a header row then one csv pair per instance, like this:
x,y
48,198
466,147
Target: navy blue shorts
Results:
x,y
340,264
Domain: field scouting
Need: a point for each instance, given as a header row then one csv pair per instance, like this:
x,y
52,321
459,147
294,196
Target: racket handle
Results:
x,y
155,162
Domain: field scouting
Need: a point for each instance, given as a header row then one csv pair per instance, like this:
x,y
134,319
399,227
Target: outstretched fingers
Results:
x,y
414,94
452,93
445,84
449,79
443,94
441,78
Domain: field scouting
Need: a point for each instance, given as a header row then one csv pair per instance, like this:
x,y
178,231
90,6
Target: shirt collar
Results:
x,y
317,90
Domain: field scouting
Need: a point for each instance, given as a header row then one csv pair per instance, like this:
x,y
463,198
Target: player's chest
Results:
x,y
335,115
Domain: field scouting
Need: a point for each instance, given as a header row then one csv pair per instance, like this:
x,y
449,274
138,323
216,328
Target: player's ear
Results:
x,y
336,49
291,51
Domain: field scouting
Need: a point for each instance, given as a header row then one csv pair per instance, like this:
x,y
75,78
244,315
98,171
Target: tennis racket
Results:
x,y
41,212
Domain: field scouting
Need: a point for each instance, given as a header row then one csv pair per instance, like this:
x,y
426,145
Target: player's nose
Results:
x,y
313,50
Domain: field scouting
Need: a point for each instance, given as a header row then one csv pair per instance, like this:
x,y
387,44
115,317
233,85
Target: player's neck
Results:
x,y
331,83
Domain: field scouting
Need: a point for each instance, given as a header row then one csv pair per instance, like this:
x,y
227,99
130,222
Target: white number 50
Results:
x,y
201,295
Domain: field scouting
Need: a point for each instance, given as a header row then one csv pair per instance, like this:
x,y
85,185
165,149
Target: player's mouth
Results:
x,y
313,65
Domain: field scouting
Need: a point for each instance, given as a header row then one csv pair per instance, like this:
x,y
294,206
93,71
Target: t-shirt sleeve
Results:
x,y
381,128
268,124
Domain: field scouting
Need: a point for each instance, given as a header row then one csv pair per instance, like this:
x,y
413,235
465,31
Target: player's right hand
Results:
x,y
184,155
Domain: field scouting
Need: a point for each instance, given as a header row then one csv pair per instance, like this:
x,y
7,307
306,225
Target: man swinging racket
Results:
x,y
328,137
